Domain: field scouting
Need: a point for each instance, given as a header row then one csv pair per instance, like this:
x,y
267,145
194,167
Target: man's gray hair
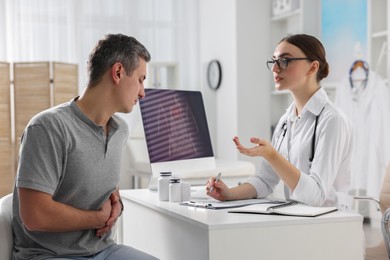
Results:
x,y
115,48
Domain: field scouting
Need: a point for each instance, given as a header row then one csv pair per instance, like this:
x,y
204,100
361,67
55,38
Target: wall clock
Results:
x,y
214,74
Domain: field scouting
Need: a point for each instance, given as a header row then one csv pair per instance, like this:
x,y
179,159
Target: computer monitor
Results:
x,y
176,132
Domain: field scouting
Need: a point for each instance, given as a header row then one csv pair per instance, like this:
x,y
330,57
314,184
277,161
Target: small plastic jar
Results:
x,y
175,190
163,186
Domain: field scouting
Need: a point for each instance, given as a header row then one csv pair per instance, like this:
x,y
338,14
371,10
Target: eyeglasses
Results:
x,y
282,62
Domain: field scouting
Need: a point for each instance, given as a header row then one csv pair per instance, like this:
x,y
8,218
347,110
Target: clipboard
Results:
x,y
213,204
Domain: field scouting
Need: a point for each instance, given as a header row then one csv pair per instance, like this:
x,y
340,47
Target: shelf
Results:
x,y
285,16
379,34
163,64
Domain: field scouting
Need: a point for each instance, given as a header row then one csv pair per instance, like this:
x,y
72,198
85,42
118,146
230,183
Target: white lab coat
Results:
x,y
369,113
325,181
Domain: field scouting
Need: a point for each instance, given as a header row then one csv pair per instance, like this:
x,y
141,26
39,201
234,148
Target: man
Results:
x,y
66,199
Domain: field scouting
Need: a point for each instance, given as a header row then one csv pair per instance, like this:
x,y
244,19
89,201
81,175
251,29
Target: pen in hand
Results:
x,y
216,179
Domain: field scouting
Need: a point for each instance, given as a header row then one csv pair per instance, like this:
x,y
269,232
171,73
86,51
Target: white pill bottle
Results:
x,y
163,186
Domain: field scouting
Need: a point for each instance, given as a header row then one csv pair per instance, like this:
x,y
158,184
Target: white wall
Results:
x,y
236,32
254,84
218,41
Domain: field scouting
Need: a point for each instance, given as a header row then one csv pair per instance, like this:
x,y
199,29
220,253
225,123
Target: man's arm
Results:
x,y
39,212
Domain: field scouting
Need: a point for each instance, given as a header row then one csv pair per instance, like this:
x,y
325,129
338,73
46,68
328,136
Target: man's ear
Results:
x,y
116,72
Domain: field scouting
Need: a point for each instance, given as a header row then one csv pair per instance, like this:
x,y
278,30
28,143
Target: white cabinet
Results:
x,y
303,17
378,25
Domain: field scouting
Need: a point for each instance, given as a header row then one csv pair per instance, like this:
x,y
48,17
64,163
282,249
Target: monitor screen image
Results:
x,y
175,125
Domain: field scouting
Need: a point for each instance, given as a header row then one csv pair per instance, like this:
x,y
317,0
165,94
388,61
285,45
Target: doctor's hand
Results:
x,y
262,148
220,191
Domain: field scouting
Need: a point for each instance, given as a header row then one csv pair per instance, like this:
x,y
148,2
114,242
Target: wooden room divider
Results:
x,y
31,92
36,87
65,82
35,90
5,103
7,157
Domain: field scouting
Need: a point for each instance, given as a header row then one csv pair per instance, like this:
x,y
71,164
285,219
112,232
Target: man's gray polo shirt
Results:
x,y
65,154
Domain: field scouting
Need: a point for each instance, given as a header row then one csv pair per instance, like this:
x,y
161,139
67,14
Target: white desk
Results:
x,y
171,231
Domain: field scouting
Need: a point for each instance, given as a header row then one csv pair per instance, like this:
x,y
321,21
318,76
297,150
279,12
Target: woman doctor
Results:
x,y
311,146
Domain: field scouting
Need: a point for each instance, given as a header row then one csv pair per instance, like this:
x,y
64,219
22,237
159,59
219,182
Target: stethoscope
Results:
x,y
283,131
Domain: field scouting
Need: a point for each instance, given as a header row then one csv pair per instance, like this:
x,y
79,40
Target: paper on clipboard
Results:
x,y
214,204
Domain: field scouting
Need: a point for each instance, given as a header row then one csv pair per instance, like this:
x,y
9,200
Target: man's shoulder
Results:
x,y
52,116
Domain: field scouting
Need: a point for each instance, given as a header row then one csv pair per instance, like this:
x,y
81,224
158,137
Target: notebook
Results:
x,y
291,208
